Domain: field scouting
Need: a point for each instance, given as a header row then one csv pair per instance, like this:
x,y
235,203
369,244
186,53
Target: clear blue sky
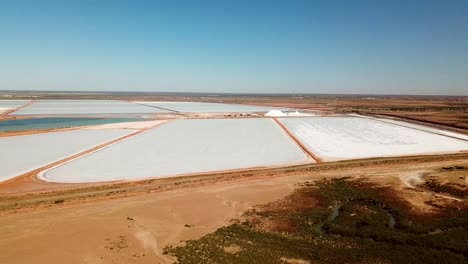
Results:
x,y
384,47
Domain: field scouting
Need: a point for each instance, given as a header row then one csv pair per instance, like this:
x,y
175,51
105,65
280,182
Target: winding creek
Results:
x,y
318,228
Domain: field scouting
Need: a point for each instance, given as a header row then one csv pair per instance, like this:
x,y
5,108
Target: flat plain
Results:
x,y
408,207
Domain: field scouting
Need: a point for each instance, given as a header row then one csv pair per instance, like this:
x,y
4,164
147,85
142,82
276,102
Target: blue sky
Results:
x,y
382,47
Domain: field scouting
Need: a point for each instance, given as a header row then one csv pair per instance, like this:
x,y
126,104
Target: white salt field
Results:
x,y
21,154
185,146
339,138
199,107
190,146
6,105
423,128
85,107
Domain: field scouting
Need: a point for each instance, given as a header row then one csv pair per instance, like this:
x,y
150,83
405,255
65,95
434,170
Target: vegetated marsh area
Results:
x,y
186,146
340,220
449,180
135,227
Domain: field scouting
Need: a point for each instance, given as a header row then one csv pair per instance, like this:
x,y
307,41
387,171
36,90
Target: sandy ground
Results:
x,y
136,228
102,232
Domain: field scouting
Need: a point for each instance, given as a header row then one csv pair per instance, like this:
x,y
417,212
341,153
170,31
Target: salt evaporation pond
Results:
x,y
339,138
55,123
199,107
85,107
423,128
6,105
185,146
21,154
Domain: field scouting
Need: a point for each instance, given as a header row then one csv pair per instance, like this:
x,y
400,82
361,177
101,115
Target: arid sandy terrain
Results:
x,y
133,221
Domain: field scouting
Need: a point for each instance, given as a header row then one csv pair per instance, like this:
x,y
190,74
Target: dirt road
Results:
x,y
132,222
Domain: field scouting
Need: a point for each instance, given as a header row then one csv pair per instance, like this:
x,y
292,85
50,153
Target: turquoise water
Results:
x,y
51,123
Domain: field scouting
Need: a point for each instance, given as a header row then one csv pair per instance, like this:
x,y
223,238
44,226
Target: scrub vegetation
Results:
x,y
337,221
448,181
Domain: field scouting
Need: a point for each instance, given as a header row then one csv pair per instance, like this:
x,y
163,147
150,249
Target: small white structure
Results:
x,y
278,113
275,113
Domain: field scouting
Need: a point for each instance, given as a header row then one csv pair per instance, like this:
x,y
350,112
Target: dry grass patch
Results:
x,y
232,249
294,261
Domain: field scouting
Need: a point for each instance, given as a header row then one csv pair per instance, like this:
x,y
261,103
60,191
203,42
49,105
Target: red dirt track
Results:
x,y
298,142
17,108
31,177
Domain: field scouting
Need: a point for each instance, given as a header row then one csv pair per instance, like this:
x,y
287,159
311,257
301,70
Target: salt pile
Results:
x,y
278,113
275,113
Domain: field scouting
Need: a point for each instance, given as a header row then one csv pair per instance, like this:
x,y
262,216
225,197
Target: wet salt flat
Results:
x,y
6,105
423,128
198,107
339,138
54,123
21,154
185,146
80,107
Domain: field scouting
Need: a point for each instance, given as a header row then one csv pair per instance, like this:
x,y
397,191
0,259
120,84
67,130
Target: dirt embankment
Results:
x,y
133,221
24,193
5,114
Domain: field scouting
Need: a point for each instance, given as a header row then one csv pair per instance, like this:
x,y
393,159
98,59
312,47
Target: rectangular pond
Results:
x,y
183,147
85,107
21,154
422,127
55,123
6,105
200,107
340,138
